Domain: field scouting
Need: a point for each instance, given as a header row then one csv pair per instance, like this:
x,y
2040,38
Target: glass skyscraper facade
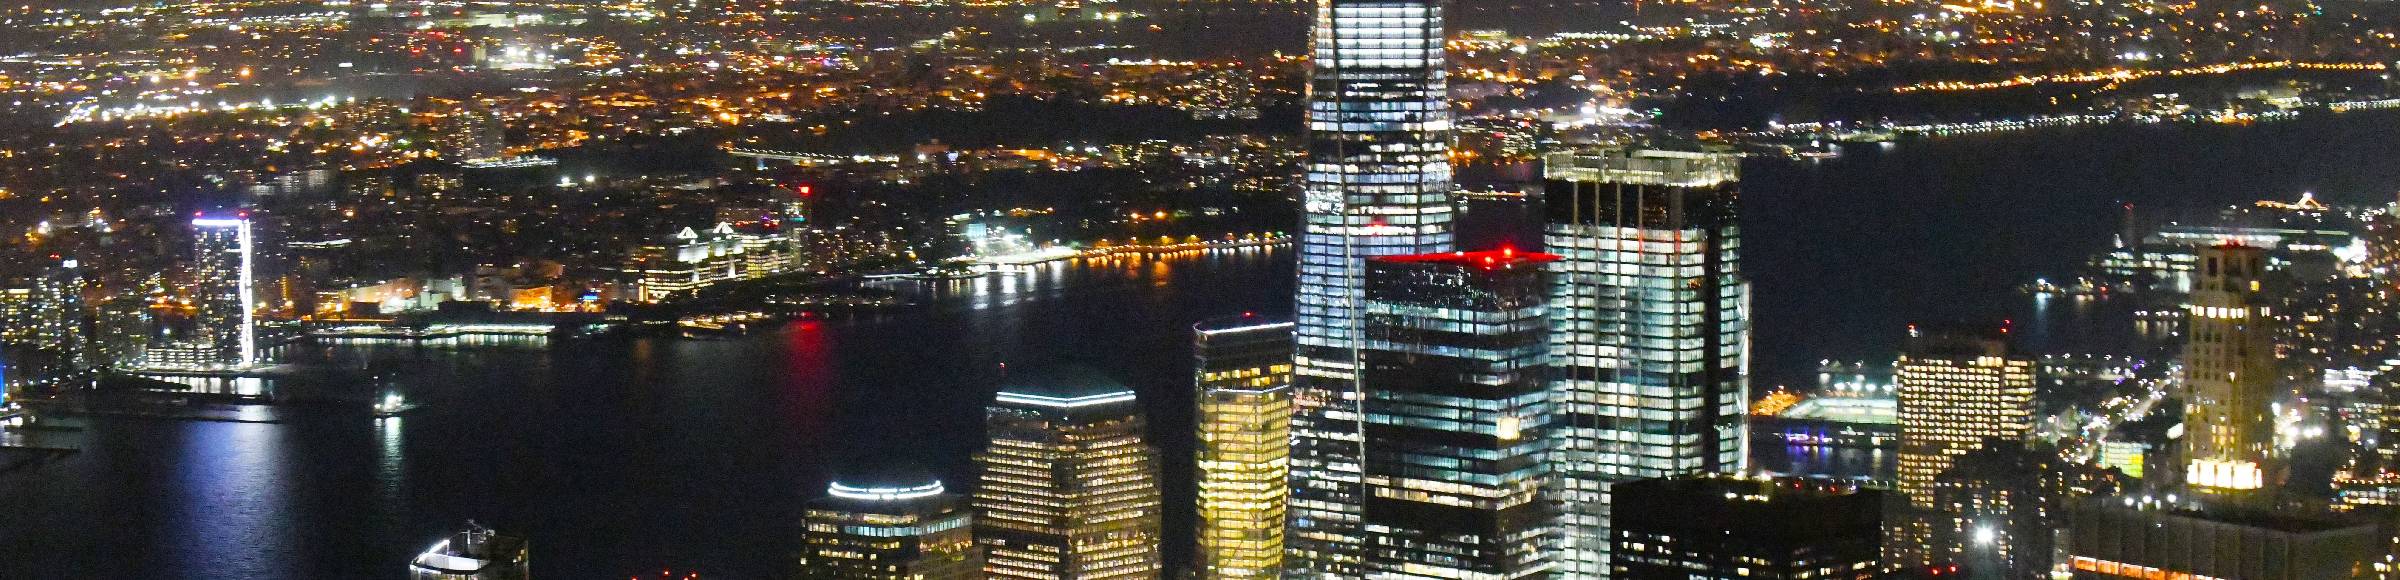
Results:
x,y
916,531
1377,184
224,329
1069,487
1244,376
1457,416
1650,328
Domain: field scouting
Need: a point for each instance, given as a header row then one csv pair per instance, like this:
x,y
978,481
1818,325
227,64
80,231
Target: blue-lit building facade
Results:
x,y
1650,327
1457,414
1377,184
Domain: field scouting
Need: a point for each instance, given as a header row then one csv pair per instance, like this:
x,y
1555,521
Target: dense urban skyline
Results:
x,y
1147,289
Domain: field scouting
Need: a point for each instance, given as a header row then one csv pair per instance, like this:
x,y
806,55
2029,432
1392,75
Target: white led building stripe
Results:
x,y
1066,402
1217,331
838,489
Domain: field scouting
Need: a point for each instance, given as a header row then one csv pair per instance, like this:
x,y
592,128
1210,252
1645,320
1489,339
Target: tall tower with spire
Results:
x,y
1377,184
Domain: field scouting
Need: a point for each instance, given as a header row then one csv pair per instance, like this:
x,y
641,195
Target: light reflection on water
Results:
x,y
231,488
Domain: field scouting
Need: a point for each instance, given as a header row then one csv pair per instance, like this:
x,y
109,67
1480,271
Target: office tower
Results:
x,y
65,325
21,315
474,554
2229,373
1457,413
912,530
1069,489
1650,327
47,313
1245,421
2376,413
2108,538
1957,390
1998,508
473,135
226,333
1377,184
1716,526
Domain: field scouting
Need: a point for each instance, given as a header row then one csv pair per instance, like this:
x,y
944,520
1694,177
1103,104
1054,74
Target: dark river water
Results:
x,y
625,457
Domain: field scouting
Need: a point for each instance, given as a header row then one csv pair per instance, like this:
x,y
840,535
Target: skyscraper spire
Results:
x,y
1377,184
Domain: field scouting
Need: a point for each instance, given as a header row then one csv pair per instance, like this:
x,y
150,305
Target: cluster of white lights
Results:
x,y
838,489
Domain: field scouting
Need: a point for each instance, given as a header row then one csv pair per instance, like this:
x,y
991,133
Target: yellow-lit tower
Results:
x,y
2229,375
1957,390
1244,376
1068,487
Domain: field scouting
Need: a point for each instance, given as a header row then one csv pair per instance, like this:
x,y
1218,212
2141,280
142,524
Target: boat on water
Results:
x,y
392,405
712,330
710,326
476,553
953,272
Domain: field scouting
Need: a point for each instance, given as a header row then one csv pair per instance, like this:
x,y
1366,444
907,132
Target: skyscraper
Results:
x,y
2229,371
1245,421
1997,509
1650,327
223,293
1377,184
1457,413
65,325
48,314
1069,488
473,135
1957,389
877,531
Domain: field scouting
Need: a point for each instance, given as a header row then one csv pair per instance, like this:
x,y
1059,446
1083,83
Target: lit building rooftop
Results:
x,y
880,492
1871,410
1500,258
1062,386
1701,167
1247,321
